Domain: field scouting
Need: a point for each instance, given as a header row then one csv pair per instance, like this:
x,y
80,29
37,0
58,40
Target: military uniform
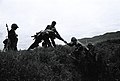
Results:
x,y
41,36
55,34
5,44
49,33
81,59
12,37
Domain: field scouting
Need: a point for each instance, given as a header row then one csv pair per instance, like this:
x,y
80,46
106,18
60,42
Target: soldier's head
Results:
x,y
53,23
90,45
48,26
14,26
73,39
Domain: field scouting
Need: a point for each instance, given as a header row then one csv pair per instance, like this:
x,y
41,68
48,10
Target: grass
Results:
x,y
50,64
38,65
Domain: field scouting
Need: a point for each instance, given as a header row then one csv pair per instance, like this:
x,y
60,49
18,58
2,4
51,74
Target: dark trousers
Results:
x,y
13,44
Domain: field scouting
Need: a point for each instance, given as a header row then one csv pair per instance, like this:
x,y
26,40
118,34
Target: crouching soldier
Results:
x,y
42,36
80,49
5,42
81,59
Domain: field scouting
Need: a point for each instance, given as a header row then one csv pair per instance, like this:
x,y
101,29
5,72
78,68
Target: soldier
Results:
x,y
49,33
46,36
91,48
42,36
12,37
79,47
5,42
55,34
81,59
93,67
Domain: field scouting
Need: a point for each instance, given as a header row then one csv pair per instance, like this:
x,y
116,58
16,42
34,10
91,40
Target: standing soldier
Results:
x,y
56,34
12,37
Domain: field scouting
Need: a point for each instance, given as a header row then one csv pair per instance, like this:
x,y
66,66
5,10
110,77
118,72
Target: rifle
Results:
x,y
36,35
6,41
7,28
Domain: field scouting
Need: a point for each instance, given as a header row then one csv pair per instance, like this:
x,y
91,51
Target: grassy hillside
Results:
x,y
51,64
109,52
100,38
39,65
109,49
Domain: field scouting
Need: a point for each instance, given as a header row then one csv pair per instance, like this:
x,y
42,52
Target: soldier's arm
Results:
x,y
70,44
56,32
60,38
58,35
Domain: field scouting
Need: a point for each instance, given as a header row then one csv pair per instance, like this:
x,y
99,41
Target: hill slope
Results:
x,y
52,64
100,38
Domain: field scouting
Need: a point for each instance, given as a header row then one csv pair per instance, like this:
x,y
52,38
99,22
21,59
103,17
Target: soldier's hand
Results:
x,y
68,44
16,35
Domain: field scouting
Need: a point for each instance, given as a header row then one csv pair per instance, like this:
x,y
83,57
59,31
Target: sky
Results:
x,y
75,18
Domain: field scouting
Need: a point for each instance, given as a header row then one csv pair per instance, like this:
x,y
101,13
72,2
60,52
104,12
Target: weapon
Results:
x,y
36,35
6,41
7,28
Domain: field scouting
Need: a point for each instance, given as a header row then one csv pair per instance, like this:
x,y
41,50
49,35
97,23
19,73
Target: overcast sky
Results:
x,y
79,18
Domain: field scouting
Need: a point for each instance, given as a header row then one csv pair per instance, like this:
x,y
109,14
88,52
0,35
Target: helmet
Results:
x,y
90,44
14,26
73,39
53,22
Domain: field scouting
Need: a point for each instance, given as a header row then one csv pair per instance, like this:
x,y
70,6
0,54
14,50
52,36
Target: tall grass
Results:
x,y
43,64
47,64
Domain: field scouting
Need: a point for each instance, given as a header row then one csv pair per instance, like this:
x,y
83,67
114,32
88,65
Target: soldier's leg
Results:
x,y
35,44
53,42
8,45
44,44
4,49
15,44
47,41
11,44
52,36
